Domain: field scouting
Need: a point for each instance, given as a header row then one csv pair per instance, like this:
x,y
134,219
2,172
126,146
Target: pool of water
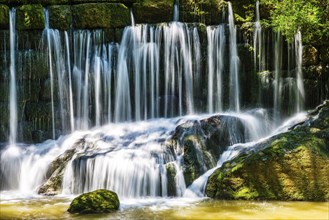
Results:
x,y
40,207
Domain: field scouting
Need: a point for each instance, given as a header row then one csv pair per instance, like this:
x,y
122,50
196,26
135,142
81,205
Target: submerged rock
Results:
x,y
290,166
99,201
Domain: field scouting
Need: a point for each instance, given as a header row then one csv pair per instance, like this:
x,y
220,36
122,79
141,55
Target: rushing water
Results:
x,y
124,90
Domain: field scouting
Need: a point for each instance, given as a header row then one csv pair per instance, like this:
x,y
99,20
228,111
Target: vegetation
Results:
x,y
308,16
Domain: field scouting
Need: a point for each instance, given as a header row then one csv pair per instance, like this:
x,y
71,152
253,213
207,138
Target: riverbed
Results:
x,y
41,207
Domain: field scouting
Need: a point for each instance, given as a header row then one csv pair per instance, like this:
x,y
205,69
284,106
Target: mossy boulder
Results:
x,y
30,17
100,15
60,17
99,201
290,166
149,11
4,17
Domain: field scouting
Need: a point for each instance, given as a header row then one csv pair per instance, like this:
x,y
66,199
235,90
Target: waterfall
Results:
x,y
300,93
259,55
216,49
277,78
176,11
234,64
51,74
12,68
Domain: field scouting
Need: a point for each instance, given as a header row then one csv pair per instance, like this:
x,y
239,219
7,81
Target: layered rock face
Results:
x,y
74,18
289,166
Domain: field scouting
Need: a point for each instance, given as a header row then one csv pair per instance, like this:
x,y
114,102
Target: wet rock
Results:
x,y
290,166
99,201
30,17
202,142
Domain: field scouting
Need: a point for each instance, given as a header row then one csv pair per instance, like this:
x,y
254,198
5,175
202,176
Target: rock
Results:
x,y
310,56
324,53
100,15
30,17
60,17
290,166
209,12
202,142
99,201
149,11
4,17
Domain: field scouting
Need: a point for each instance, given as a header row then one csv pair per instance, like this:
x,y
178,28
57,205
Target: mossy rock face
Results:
x,y
310,56
209,12
290,166
4,17
100,15
30,17
149,11
127,2
60,17
99,201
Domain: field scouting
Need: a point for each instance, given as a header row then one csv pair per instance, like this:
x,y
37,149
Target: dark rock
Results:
x,y
30,17
202,142
60,17
209,12
151,12
100,15
4,17
290,166
310,56
324,53
99,201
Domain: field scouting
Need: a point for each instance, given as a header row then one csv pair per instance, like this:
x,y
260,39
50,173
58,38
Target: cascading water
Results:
x,y
216,48
234,64
300,96
155,71
12,68
277,79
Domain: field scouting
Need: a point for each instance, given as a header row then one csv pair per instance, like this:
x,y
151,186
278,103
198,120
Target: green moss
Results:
x,y
149,11
30,17
4,17
100,15
60,17
99,201
290,166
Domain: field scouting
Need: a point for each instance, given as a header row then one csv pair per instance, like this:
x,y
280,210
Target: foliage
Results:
x,y
309,16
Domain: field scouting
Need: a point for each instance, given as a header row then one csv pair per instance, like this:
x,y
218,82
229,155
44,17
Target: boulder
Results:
x,y
99,201
290,166
202,142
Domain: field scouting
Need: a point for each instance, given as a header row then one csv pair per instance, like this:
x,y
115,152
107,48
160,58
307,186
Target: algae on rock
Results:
x,y
290,166
98,201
